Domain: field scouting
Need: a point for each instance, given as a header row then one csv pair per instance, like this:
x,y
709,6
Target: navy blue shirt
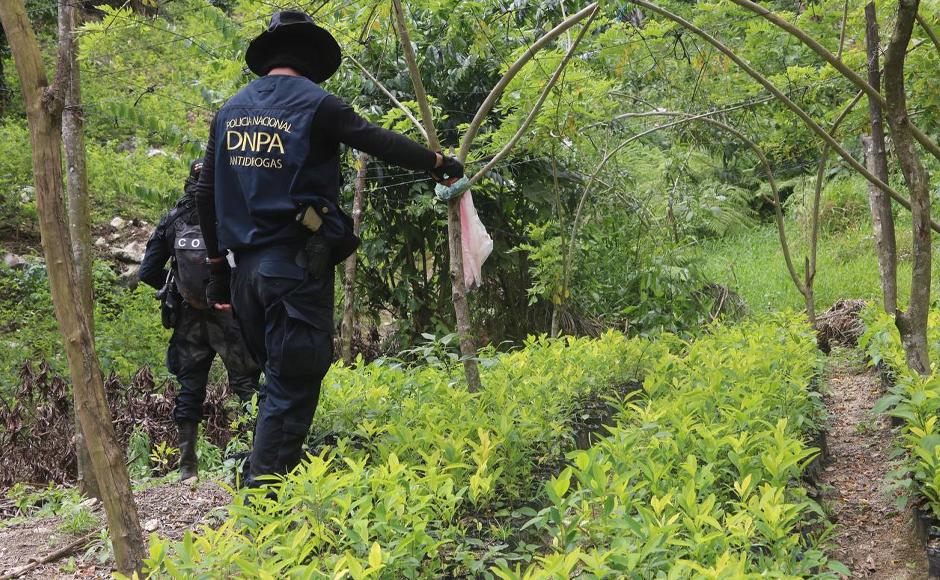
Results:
x,y
274,146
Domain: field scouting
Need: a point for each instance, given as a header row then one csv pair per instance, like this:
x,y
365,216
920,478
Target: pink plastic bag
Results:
x,y
476,243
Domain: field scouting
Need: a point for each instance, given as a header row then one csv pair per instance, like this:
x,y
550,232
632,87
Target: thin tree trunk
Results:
x,y
809,269
107,458
4,90
458,288
76,182
349,280
912,324
877,160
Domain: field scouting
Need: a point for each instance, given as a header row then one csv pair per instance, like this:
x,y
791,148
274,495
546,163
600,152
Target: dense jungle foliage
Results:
x,y
636,248
669,430
694,471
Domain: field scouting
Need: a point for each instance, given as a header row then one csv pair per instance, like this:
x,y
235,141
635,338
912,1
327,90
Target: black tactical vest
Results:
x,y
192,272
262,172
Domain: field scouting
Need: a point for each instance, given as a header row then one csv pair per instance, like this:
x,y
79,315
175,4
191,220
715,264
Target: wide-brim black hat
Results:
x,y
293,32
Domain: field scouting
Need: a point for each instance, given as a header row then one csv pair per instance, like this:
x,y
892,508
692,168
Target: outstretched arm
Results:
x,y
338,120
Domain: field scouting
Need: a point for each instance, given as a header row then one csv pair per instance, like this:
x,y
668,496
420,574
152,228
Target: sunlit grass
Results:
x,y
752,264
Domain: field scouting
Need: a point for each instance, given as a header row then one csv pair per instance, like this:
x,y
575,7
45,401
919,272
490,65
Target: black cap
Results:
x,y
293,37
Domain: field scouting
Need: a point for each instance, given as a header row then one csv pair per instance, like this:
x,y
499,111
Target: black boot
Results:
x,y
189,465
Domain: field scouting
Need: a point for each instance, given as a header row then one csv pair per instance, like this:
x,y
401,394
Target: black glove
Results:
x,y
219,291
450,170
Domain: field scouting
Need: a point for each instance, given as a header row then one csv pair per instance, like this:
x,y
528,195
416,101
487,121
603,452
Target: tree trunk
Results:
x,y
883,223
877,161
4,90
42,111
68,84
556,320
912,324
458,288
349,280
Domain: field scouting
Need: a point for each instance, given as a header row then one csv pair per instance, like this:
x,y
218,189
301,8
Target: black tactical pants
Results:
x,y
197,337
286,318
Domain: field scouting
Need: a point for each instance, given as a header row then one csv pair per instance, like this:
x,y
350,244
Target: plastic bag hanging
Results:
x,y
476,243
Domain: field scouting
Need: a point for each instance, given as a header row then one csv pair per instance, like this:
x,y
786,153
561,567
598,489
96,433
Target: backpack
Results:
x,y
192,272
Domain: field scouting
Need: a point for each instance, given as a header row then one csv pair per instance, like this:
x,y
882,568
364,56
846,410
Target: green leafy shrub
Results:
x,y
696,478
414,451
696,475
913,398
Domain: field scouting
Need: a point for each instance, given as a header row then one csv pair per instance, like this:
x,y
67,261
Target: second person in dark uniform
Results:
x,y
271,178
199,332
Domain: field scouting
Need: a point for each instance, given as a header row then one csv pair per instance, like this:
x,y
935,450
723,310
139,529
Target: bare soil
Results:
x,y
873,537
168,510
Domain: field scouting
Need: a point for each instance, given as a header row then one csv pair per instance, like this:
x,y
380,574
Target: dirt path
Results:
x,y
873,537
167,510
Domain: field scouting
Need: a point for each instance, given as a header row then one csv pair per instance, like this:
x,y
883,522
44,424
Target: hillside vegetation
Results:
x,y
654,393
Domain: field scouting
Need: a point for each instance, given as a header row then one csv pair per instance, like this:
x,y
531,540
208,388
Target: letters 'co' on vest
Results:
x,y
262,173
192,273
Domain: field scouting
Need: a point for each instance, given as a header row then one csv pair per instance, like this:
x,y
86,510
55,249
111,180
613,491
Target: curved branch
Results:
x,y
575,221
817,192
388,94
497,90
930,33
653,112
538,103
778,207
803,115
837,63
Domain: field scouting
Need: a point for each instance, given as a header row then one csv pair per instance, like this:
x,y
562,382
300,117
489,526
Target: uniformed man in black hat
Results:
x,y
268,193
199,332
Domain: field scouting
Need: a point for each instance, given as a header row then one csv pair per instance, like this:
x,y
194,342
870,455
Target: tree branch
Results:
x,y
514,69
388,94
538,103
930,33
786,101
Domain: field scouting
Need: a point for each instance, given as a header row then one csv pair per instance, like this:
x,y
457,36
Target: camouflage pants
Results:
x,y
198,336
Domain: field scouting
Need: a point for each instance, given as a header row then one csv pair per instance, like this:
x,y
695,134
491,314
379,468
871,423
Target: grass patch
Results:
x,y
847,266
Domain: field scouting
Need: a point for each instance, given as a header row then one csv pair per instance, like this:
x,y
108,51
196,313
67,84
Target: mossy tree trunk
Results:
x,y
68,87
349,278
43,110
911,323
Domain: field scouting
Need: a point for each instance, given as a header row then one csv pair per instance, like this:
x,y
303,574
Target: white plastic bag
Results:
x,y
476,243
